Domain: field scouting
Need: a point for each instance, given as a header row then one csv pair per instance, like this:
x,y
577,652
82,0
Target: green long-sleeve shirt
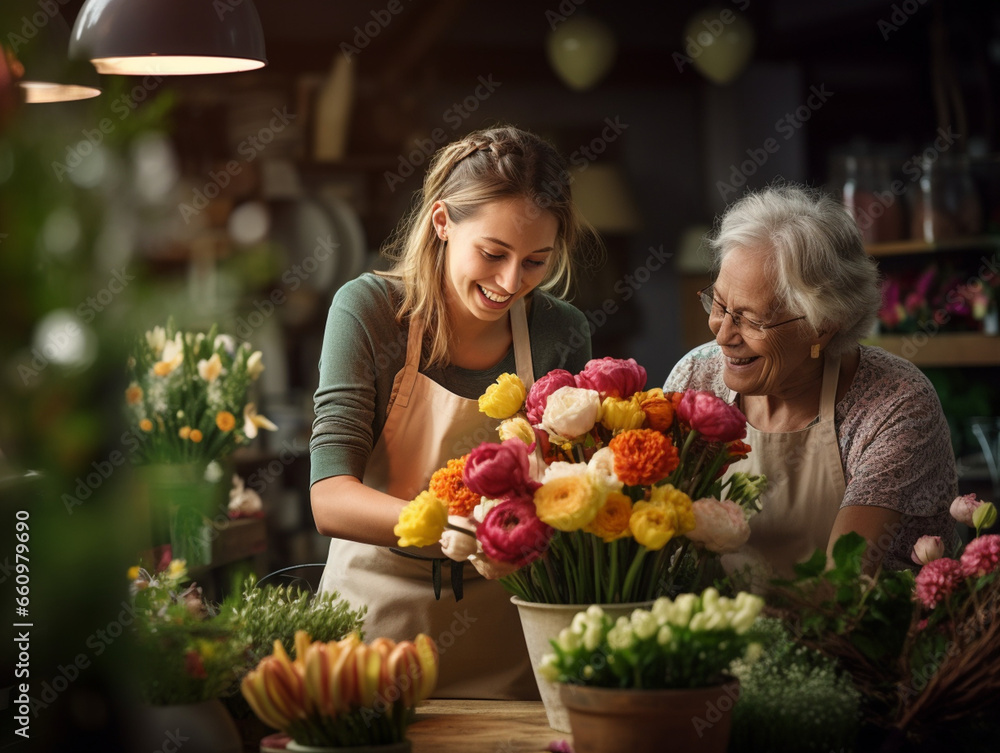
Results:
x,y
364,347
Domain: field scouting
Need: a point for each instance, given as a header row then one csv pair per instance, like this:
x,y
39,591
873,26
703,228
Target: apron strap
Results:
x,y
522,344
828,392
411,367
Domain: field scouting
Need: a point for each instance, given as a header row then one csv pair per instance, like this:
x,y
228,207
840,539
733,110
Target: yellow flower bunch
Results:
x,y
503,398
422,521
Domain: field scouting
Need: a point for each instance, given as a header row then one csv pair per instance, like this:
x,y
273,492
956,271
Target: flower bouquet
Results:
x,y
188,406
686,646
598,492
922,650
343,693
187,397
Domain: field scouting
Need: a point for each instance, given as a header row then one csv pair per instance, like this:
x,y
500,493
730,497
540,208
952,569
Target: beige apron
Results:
x,y
805,488
483,654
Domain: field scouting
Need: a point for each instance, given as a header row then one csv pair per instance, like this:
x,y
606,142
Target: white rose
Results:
x,y
601,469
562,469
719,525
571,412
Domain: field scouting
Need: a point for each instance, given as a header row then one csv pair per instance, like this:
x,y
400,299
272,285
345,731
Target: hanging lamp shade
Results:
x,y
48,75
169,37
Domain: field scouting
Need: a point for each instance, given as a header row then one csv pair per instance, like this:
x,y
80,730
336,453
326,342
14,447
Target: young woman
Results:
x,y
405,356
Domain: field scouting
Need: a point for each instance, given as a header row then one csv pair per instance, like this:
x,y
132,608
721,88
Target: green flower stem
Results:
x,y
633,573
613,575
598,556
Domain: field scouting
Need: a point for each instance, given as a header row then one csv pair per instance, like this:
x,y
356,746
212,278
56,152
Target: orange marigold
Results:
x,y
446,484
225,420
659,413
146,425
612,521
643,456
133,395
196,435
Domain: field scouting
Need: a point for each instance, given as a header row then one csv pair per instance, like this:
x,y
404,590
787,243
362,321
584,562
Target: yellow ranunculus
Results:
x,y
422,522
568,503
519,427
621,414
503,398
653,525
611,521
667,496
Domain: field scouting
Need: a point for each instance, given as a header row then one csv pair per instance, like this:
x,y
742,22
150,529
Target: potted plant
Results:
x,y
921,650
186,655
188,408
598,493
344,694
660,674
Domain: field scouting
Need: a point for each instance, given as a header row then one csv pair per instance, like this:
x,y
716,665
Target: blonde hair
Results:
x,y
815,253
487,165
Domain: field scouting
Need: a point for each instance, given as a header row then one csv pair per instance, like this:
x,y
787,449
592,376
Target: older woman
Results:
x,y
850,437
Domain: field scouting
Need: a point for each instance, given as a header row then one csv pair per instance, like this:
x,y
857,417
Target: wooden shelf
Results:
x,y
905,248
943,349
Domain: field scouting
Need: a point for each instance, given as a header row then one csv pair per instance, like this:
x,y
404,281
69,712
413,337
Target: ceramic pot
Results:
x,y
403,746
543,622
204,727
612,720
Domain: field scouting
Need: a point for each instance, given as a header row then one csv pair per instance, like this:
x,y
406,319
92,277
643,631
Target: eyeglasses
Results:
x,y
747,327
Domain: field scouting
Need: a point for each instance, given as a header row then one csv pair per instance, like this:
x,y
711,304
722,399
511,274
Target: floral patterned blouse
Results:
x,y
895,446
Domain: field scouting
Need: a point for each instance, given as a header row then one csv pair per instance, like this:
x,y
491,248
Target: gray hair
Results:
x,y
815,255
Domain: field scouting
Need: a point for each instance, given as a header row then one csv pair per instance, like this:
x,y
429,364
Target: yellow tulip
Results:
x,y
427,654
345,679
256,695
621,414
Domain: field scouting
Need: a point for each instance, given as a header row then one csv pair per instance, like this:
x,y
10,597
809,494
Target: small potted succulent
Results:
x,y
658,674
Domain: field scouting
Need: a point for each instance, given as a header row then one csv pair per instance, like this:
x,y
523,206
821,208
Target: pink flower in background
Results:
x,y
539,393
612,377
711,416
963,507
512,533
937,580
719,525
927,549
499,470
981,556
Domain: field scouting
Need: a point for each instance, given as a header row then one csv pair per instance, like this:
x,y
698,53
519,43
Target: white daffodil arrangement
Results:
x,y
188,396
687,642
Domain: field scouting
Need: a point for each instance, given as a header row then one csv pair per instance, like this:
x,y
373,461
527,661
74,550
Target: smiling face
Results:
x,y
495,257
780,363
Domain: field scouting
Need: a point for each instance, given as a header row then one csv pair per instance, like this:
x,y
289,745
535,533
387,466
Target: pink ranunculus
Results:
x,y
539,393
512,533
937,580
711,416
719,525
927,549
981,556
963,507
612,377
499,470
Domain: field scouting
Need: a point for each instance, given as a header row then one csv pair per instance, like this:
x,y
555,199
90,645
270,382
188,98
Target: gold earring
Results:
x,y
814,351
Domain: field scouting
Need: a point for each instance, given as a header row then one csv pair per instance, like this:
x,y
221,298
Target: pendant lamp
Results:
x,y
169,37
48,75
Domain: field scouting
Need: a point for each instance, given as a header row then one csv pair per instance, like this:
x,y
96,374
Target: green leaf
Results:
x,y
848,552
813,566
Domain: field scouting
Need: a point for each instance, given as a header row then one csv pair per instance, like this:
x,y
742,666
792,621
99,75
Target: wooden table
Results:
x,y
460,726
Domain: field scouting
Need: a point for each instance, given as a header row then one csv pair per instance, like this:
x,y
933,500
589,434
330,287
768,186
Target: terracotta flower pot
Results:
x,y
542,623
612,720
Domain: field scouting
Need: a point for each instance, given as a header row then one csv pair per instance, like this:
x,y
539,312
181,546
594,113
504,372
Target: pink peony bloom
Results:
x,y
981,556
719,525
512,533
927,549
612,377
963,507
711,416
499,470
539,393
937,580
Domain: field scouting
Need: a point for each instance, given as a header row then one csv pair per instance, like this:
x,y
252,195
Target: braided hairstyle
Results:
x,y
496,163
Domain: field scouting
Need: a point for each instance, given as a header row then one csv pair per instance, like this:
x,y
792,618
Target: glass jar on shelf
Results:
x,y
866,191
944,202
